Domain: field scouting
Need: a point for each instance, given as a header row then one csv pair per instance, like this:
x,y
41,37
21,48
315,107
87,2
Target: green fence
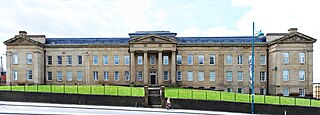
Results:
x,y
79,89
238,97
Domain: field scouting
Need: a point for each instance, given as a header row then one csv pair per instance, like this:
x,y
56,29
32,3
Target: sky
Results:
x,y
117,18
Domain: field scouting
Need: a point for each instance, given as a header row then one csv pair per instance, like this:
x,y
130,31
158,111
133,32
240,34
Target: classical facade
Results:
x,y
283,61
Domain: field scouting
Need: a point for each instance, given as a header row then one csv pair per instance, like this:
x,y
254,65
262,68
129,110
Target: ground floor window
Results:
x,y
126,75
285,92
95,75
240,90
179,76
139,76
29,74
116,75
263,91
59,75
166,75
229,90
106,75
302,92
49,76
80,75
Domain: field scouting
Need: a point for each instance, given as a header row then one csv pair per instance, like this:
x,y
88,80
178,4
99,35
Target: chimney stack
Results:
x,y
22,33
293,30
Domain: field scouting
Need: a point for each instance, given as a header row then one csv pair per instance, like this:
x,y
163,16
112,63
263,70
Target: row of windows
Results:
x,y
301,92
263,91
286,58
95,60
15,74
15,58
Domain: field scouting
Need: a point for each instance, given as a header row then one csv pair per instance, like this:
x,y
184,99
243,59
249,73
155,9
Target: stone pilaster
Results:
x,y
145,68
160,72
132,67
9,70
173,67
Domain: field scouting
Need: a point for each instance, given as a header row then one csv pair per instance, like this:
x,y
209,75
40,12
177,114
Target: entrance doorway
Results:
x,y
153,79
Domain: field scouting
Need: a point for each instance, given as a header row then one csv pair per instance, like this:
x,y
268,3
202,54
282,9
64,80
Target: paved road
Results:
x,y
69,109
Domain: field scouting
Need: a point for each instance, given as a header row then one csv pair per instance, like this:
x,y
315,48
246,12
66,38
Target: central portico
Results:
x,y
153,57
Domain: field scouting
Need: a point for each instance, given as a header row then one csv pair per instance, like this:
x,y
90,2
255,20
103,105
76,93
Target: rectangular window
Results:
x,y
285,92
165,60
302,75
179,59
200,59
69,75
69,59
152,59
106,75
49,76
95,59
285,57
126,76
212,75
29,74
126,60
116,76
190,76
285,75
140,60
263,91
212,59
29,58
302,92
201,76
166,75
95,75
262,76
240,75
116,60
250,61
79,60
229,75
179,76
263,60
105,60
229,90
190,59
139,76
15,75
240,90
229,59
59,60
80,75
59,75
15,58
302,58
240,59
49,60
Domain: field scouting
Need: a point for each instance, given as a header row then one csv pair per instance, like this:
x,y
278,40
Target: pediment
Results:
x,y
296,38
21,41
152,39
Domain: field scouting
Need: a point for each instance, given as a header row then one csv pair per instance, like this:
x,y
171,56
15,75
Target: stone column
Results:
x,y
132,67
36,67
145,68
9,70
160,72
173,67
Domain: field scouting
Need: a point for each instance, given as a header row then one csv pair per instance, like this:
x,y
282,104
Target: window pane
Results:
x,y
212,76
285,92
302,57
301,92
139,76
95,75
229,59
152,59
302,75
285,75
190,59
69,60
29,58
262,76
165,60
126,60
69,76
80,75
116,75
29,74
240,76
229,75
79,60
127,75
139,60
49,75
106,75
49,58
179,59
262,60
15,74
95,59
240,59
116,60
59,75
201,76
201,59
59,60
212,59
105,60
190,76
15,58
285,57
179,76
166,75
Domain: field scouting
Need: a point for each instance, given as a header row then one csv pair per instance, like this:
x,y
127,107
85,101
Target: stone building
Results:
x,y
316,90
283,61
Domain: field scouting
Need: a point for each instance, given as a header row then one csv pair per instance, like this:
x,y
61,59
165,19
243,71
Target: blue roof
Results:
x,y
180,40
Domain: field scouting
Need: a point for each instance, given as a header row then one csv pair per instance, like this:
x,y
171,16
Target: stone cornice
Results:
x,y
258,44
88,46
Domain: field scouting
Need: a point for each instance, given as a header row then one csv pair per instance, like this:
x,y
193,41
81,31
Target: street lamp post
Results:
x,y
252,67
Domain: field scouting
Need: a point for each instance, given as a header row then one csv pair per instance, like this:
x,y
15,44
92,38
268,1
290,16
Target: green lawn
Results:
x,y
237,97
81,89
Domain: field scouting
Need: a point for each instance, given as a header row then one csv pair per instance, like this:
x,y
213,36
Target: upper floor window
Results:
x,y
139,60
262,76
139,76
285,75
106,75
126,75
229,59
49,60
250,59
212,59
59,60
285,57
201,76
69,75
126,60
152,59
15,58
166,75
190,76
263,60
15,75
80,75
190,59
79,59
29,58
240,59
229,76
69,59
212,76
95,59
165,60
105,60
240,75
49,76
302,75
302,57
179,76
116,75
201,59
179,59
95,75
59,75
29,74
116,60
